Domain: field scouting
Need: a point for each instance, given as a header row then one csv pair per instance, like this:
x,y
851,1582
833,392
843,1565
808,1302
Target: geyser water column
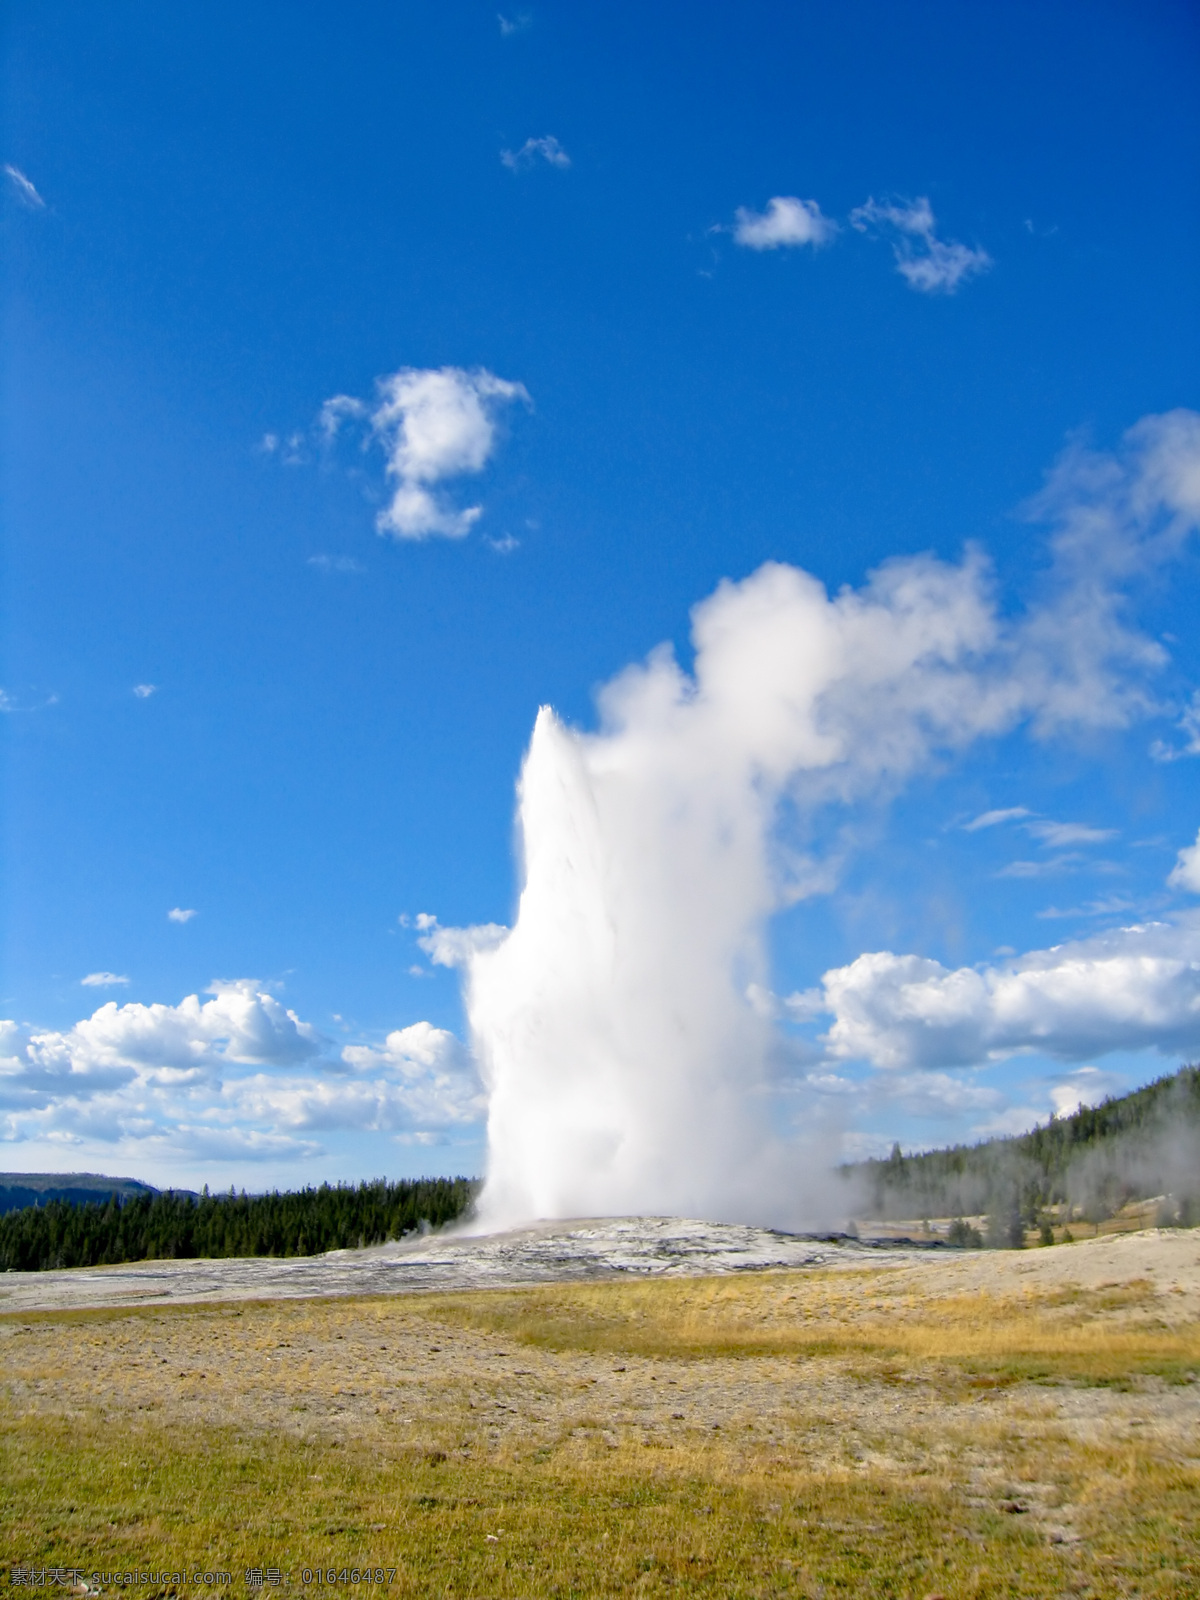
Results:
x,y
621,1057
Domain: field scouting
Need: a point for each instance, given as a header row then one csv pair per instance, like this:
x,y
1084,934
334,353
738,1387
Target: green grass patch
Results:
x,y
84,1493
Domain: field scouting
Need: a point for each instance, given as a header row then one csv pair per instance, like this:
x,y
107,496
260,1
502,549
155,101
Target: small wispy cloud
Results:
x,y
546,149
1061,835
992,819
103,980
23,188
325,563
1189,727
519,23
1186,872
1038,869
181,914
145,690
1108,906
925,262
292,450
787,221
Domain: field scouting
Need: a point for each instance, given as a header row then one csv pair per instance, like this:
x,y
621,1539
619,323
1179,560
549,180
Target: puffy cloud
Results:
x,y
546,149
181,914
927,263
786,221
144,690
1132,989
23,188
454,947
235,1074
432,424
1086,1086
102,980
1186,872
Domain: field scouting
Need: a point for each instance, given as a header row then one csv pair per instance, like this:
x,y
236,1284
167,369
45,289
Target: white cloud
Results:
x,y
1131,989
454,947
342,564
927,263
145,690
181,914
235,1074
991,819
546,149
1086,1086
1113,905
23,189
102,980
519,23
786,221
1189,726
432,424
1186,872
1059,835
1038,869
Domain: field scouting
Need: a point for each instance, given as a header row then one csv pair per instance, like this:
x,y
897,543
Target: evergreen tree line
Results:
x,y
1132,1147
168,1226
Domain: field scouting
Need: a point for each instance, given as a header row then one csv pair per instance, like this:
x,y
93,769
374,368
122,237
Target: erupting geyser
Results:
x,y
627,1069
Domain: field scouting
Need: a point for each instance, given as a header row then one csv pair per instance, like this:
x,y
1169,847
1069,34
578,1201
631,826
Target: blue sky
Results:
x,y
818,284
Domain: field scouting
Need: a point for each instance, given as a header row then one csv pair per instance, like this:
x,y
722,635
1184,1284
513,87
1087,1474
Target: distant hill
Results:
x,y
1131,1147
18,1189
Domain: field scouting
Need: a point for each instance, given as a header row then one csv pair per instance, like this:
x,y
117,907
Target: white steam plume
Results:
x,y
626,1068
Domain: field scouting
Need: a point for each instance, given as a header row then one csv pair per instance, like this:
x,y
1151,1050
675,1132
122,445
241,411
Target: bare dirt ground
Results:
x,y
409,1368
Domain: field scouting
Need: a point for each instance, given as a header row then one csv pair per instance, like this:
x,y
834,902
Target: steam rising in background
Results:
x,y
627,1066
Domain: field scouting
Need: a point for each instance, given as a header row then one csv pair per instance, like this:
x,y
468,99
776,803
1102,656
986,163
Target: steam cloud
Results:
x,y
627,1070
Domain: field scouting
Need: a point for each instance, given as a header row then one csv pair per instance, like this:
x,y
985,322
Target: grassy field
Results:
x,y
828,1433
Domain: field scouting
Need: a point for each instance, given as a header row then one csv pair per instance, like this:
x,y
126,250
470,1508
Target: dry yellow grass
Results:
x,y
802,1434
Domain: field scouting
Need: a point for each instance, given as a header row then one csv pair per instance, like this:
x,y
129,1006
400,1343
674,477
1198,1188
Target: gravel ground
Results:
x,y
546,1253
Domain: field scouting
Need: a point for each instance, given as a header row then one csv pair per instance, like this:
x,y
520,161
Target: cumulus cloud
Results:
x,y
787,221
236,1073
432,424
454,947
23,189
546,149
102,980
1086,1086
1131,989
1186,872
926,263
181,913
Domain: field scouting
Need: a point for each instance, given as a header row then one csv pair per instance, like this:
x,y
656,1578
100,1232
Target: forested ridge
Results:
x,y
169,1226
1134,1146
